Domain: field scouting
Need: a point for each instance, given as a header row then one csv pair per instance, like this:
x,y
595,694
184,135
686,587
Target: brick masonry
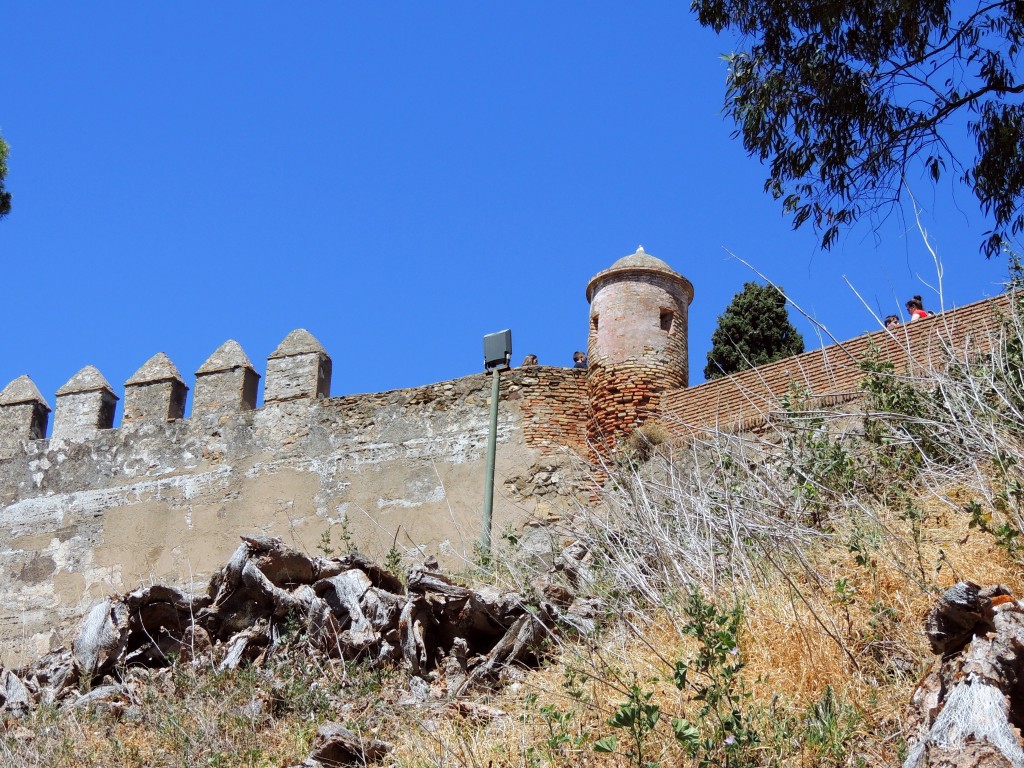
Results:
x,y
832,375
555,408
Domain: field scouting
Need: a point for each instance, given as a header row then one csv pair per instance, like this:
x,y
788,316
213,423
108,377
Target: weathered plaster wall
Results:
x,y
166,501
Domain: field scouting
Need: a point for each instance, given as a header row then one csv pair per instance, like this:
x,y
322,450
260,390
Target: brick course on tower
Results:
x,y
637,346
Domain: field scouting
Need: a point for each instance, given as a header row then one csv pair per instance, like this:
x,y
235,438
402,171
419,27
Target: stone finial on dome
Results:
x,y
85,405
23,413
155,392
299,368
226,382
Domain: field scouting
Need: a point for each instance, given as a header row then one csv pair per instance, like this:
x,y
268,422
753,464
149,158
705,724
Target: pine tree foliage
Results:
x,y
754,330
5,197
849,100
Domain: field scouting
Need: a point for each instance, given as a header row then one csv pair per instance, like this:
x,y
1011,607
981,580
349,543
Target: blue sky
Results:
x,y
398,178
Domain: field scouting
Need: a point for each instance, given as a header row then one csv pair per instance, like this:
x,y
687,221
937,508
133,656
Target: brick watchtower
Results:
x,y
637,346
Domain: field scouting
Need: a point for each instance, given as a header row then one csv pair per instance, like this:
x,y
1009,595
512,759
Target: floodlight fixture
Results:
x,y
498,351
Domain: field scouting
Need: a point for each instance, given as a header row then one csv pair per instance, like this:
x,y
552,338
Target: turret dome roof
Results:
x,y
641,258
637,263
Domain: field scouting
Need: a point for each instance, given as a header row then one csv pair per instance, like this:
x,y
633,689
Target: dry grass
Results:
x,y
186,716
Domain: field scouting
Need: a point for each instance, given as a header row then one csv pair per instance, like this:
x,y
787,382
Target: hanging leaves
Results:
x,y
847,102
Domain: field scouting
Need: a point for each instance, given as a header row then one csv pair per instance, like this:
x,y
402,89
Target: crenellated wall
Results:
x,y
94,510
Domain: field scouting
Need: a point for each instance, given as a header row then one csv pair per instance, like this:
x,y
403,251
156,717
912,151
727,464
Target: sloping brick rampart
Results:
x,y
832,375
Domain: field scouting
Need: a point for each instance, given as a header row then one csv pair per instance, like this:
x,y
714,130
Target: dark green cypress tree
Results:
x,y
753,330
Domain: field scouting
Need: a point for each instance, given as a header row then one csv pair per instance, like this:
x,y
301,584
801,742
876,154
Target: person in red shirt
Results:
x,y
915,306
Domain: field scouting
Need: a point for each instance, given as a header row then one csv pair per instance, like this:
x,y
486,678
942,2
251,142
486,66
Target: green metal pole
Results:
x,y
492,444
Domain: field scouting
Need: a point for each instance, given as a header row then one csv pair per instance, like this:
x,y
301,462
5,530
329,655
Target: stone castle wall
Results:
x,y
94,510
166,500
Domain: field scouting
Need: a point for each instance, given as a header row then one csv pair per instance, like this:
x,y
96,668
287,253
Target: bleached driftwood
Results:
x,y
521,641
456,637
347,606
964,712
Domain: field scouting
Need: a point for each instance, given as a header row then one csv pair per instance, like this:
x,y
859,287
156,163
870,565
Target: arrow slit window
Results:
x,y
666,320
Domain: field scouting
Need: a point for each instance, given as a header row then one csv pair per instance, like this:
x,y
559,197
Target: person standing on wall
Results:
x,y
915,306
